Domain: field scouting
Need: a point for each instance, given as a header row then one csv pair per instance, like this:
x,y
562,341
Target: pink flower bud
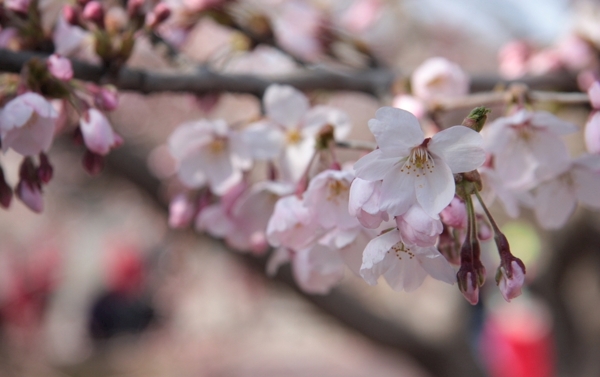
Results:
x,y
93,12
455,214
158,15
511,282
30,195
71,15
134,7
5,191
106,99
181,211
594,94
592,133
92,163
97,132
470,289
45,170
19,6
60,67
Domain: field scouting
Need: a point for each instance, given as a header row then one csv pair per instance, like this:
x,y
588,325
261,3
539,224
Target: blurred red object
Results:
x,y
517,341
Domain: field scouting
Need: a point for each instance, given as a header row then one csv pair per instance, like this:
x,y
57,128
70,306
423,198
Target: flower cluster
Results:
x,y
402,211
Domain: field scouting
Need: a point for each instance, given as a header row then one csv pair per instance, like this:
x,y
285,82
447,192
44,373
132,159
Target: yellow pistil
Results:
x,y
293,136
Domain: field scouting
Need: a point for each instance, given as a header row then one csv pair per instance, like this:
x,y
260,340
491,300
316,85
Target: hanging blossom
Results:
x,y
404,266
527,147
556,199
414,169
208,152
27,124
287,134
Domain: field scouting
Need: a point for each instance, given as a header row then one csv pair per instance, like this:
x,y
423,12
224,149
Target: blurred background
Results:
x,y
98,285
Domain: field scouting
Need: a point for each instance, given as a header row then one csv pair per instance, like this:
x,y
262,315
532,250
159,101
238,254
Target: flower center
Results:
x,y
217,146
293,136
418,162
400,249
337,189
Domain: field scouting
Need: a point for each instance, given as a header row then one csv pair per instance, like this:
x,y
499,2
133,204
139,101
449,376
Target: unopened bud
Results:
x,y
60,67
71,15
469,287
106,98
476,118
45,170
31,195
158,15
510,280
6,192
134,8
181,211
18,6
93,12
93,163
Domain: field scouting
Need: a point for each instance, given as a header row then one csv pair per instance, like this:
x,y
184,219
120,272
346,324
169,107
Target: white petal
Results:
x,y
396,131
554,203
552,123
374,166
435,190
550,153
436,265
190,173
374,253
397,192
264,139
405,274
587,186
460,147
285,104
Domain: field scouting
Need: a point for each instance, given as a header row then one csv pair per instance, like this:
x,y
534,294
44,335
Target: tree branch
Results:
x,y
373,81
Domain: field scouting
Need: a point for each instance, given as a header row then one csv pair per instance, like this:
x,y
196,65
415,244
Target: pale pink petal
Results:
x,y
190,173
31,196
436,265
554,203
60,67
214,221
405,275
587,186
15,114
435,190
97,132
460,147
374,166
374,253
317,269
592,133
396,131
285,105
397,192
594,94
278,257
264,139
418,228
550,153
552,123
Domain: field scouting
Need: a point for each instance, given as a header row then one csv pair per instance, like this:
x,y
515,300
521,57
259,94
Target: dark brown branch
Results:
x,y
375,81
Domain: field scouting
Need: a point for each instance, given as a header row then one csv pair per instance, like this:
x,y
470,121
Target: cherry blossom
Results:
x,y
403,266
556,199
418,228
527,147
60,67
439,77
209,152
363,203
292,225
98,135
415,169
27,124
31,195
288,132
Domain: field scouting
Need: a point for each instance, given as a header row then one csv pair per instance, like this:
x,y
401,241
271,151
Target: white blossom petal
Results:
x,y
435,190
460,147
285,104
396,131
554,203
374,166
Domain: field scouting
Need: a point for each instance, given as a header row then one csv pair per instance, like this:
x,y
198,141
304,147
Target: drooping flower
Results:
x,y
209,152
418,228
363,203
292,225
403,266
527,147
414,169
27,124
556,199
